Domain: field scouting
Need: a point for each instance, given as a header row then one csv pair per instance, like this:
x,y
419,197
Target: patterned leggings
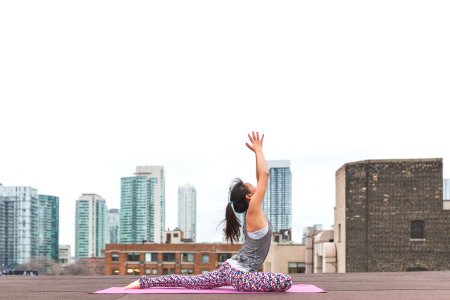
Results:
x,y
225,275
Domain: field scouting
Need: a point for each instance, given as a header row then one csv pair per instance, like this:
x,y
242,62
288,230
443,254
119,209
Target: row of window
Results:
x,y
293,267
165,271
417,230
170,257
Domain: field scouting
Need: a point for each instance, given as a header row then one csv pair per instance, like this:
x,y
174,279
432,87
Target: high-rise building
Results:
x,y
277,202
48,227
187,211
142,206
18,224
113,226
90,226
389,216
446,190
64,255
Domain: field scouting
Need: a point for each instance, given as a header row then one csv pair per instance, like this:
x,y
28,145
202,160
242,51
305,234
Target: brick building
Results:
x,y
161,259
390,216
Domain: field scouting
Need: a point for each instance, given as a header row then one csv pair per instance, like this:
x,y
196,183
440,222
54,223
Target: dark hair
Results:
x,y
237,204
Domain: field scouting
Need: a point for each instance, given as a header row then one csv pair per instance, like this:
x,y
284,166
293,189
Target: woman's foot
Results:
x,y
133,285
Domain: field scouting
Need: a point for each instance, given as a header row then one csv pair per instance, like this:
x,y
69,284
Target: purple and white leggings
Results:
x,y
225,275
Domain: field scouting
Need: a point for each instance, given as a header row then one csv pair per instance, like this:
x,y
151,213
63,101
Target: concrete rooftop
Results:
x,y
367,286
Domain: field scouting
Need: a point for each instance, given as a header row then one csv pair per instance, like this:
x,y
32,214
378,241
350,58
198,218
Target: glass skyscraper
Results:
x,y
48,227
18,224
187,211
277,202
113,226
142,206
90,226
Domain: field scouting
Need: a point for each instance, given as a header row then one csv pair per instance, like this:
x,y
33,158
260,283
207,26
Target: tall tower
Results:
x,y
18,224
90,226
142,206
48,227
277,202
113,226
187,211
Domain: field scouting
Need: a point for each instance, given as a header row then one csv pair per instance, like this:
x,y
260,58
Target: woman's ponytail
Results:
x,y
237,203
232,225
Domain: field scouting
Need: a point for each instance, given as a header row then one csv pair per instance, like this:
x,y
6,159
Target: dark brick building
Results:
x,y
162,259
390,216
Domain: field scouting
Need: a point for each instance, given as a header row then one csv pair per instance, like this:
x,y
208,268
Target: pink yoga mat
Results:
x,y
296,288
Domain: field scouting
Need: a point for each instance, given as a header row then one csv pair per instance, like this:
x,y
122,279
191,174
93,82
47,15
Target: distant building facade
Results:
x,y
113,226
187,211
389,216
174,236
163,259
320,250
90,226
29,225
64,255
18,224
48,227
142,206
277,202
285,258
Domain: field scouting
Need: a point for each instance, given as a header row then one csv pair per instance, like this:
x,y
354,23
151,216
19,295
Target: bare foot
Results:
x,y
133,285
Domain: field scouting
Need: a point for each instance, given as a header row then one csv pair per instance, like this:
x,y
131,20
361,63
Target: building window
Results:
x,y
204,271
133,271
115,257
167,271
205,258
187,257
296,267
222,257
133,256
175,235
151,257
168,256
115,271
339,233
417,229
151,271
187,271
416,269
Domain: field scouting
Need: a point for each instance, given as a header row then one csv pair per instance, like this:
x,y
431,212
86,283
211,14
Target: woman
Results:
x,y
241,270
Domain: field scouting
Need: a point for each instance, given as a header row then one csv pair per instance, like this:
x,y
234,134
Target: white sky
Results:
x,y
91,89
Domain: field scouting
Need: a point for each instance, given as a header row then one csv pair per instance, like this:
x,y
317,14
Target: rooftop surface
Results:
x,y
367,286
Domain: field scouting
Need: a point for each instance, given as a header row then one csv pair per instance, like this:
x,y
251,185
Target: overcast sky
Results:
x,y
91,89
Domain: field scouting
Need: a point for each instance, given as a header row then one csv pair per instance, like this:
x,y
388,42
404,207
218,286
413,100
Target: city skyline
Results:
x,y
29,225
180,85
48,212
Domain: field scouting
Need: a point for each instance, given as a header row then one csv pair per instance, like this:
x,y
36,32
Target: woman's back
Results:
x,y
254,251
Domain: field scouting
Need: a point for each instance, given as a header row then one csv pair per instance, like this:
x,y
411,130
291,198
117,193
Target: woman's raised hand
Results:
x,y
256,142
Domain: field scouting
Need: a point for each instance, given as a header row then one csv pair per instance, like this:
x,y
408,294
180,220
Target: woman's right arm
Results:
x,y
255,214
